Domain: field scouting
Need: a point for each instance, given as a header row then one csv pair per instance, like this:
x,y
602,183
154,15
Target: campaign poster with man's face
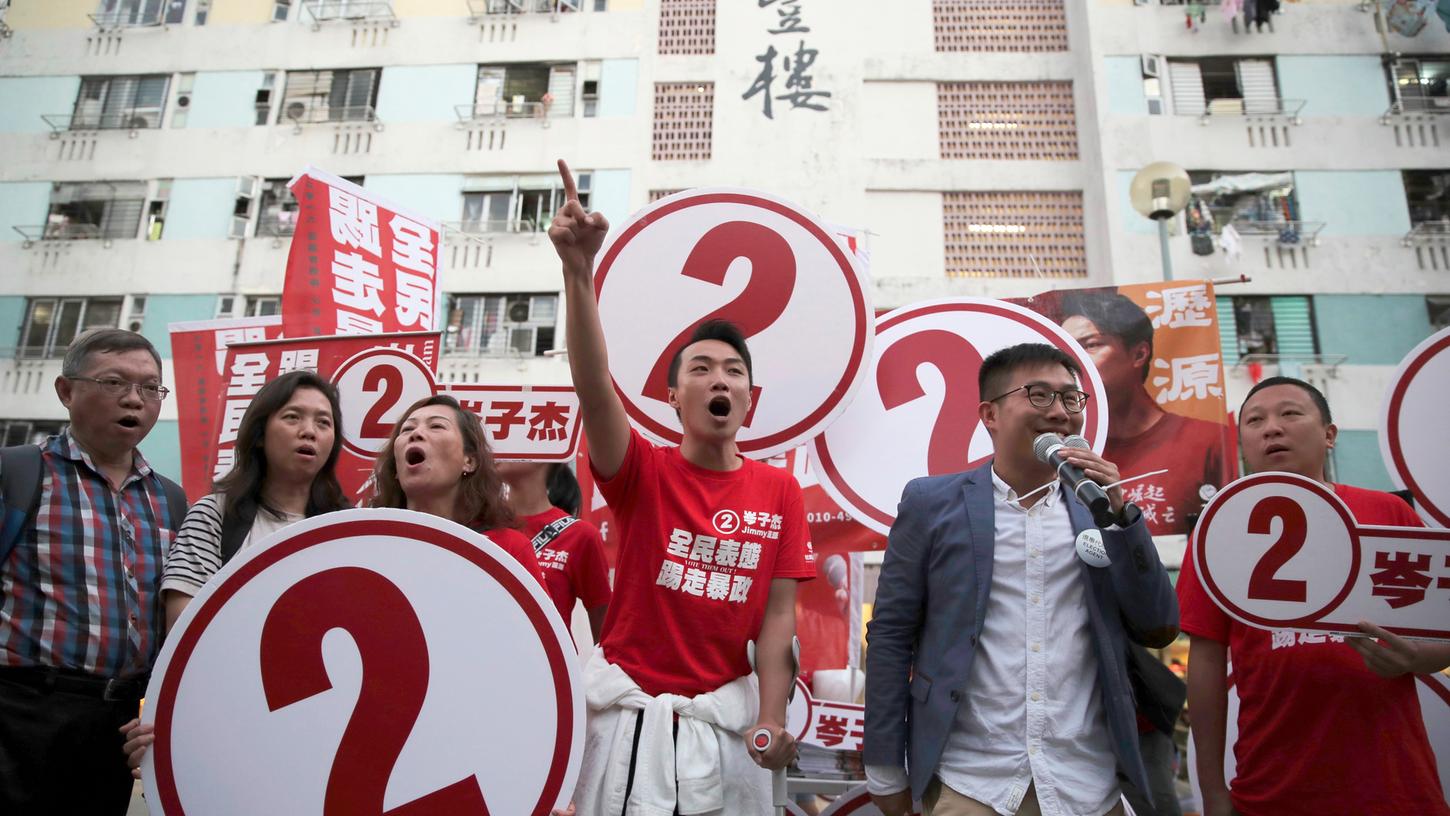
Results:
x,y
1156,347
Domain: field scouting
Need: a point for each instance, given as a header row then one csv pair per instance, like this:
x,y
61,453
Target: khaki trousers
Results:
x,y
941,800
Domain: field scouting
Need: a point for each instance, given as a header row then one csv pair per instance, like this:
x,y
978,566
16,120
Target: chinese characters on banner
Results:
x,y
249,366
357,265
795,64
198,354
539,423
1156,347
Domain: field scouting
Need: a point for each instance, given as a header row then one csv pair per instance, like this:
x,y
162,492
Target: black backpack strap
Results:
x,y
550,532
176,505
235,527
20,478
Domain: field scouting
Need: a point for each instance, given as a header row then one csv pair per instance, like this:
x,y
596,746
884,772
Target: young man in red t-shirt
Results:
x,y
1326,724
711,547
570,551
1142,437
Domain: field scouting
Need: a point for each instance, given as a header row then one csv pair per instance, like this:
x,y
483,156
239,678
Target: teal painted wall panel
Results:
x,y
426,93
162,310
1371,329
436,196
1357,460
200,208
224,99
1124,78
1359,202
22,204
12,314
1133,220
162,449
1335,85
618,87
23,100
611,194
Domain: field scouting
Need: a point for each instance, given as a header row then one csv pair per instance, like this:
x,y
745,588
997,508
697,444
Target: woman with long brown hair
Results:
x,y
437,461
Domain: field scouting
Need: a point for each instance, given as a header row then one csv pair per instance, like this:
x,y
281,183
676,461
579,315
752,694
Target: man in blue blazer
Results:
x,y
997,674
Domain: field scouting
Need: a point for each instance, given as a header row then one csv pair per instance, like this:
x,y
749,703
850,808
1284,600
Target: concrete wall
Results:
x,y
12,317
200,208
428,93
1371,329
224,99
23,100
22,205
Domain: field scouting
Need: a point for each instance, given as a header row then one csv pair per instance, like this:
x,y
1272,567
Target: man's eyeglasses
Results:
x,y
116,387
1041,396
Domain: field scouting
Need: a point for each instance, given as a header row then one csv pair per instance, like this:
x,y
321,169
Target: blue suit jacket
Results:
x,y
930,602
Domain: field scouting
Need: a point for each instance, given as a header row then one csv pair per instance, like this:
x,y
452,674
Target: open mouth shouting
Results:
x,y
130,422
414,457
719,406
307,451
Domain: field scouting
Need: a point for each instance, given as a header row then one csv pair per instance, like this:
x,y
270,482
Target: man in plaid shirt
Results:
x,y
80,619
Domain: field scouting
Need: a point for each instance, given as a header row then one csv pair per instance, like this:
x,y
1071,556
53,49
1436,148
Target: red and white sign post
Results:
x,y
917,414
798,294
1413,441
367,661
1279,551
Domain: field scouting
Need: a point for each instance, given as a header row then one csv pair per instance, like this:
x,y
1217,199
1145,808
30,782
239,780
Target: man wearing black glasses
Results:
x,y
996,671
86,525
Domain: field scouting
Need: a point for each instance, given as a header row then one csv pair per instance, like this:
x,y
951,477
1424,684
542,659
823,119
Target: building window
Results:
x,y
501,325
136,313
517,203
1224,86
1280,327
1420,84
684,121
1428,194
687,27
51,324
520,90
263,101
656,195
248,305
999,25
280,10
1220,199
99,209
1007,120
1439,308
131,102
203,8
136,12
1014,234
28,431
330,96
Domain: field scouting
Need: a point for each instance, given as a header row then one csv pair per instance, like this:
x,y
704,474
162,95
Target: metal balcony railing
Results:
x,y
1252,108
349,11
492,111
125,120
1288,233
1424,105
486,228
1429,233
1329,361
276,226
133,18
301,113
478,9
60,232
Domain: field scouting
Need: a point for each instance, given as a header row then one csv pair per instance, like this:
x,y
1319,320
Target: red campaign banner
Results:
x,y
370,405
530,423
1166,401
198,356
358,264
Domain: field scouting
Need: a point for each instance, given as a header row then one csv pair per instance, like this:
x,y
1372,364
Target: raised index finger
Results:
x,y
571,193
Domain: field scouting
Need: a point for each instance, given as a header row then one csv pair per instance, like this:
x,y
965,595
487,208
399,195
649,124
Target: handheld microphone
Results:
x,y
1047,448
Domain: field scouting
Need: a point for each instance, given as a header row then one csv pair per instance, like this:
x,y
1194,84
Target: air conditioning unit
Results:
x,y
1152,65
134,325
183,100
519,311
296,111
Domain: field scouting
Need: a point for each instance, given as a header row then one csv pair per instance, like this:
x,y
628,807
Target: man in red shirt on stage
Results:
x,y
711,547
1327,724
1142,437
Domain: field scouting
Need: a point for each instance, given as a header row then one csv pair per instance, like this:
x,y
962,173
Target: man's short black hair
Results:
x,y
999,365
1115,315
1314,393
722,330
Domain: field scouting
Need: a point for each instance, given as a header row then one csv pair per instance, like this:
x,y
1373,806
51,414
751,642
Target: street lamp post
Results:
x,y
1160,192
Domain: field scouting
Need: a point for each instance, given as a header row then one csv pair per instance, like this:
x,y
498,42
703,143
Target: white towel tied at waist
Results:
x,y
708,758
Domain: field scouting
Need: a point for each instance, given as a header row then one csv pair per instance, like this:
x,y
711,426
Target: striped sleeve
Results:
x,y
196,554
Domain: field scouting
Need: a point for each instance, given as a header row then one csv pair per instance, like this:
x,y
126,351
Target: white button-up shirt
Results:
x,y
1033,713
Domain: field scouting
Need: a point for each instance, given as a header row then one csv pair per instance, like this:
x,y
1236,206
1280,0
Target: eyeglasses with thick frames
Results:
x,y
1073,399
116,387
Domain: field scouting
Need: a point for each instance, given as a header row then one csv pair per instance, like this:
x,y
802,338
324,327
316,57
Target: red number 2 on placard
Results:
x,y
391,380
760,304
394,681
1263,583
957,360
